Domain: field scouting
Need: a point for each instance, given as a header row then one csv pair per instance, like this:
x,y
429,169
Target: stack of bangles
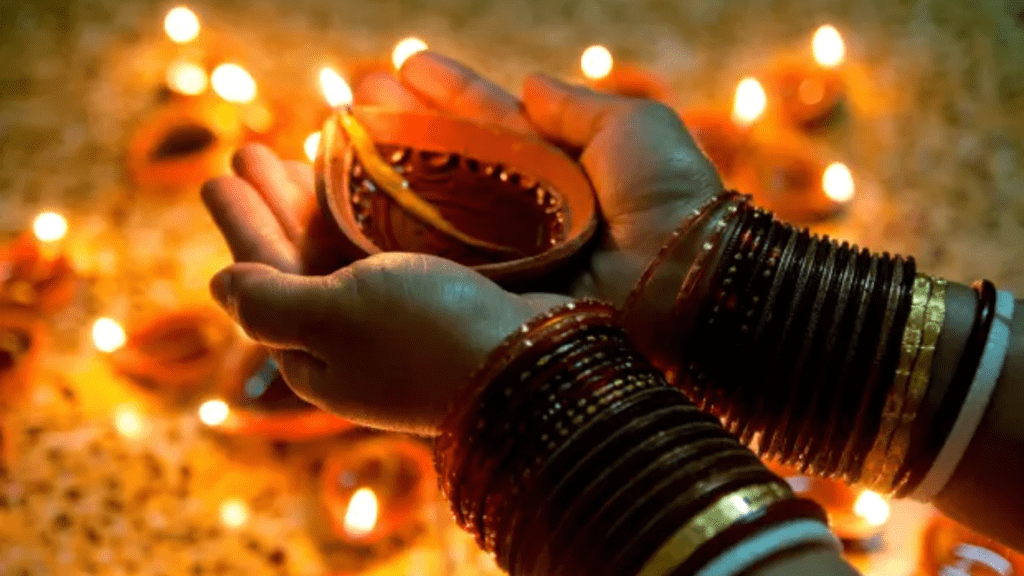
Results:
x,y
578,450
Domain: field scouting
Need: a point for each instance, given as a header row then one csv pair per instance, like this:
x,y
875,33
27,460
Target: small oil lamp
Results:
x,y
403,49
726,137
950,549
374,500
811,95
508,204
21,339
253,399
35,277
175,355
604,74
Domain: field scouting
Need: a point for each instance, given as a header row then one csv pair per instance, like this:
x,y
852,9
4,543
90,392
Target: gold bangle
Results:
x,y
711,522
934,317
872,474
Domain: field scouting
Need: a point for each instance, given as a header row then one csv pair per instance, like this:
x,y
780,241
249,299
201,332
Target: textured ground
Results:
x,y
935,140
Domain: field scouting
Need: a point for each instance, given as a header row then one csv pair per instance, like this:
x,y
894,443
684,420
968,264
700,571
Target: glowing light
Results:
x,y
361,514
187,78
50,227
751,101
232,83
406,48
838,182
596,62
312,145
828,47
128,422
234,513
181,25
108,335
871,507
214,412
336,90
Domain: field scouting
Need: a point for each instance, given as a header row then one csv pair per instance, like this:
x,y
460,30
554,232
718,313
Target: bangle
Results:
x,y
974,406
767,543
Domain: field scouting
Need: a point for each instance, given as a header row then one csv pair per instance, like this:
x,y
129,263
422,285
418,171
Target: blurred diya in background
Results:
x,y
857,516
603,74
35,277
811,94
374,499
403,49
508,204
950,549
253,399
22,337
176,355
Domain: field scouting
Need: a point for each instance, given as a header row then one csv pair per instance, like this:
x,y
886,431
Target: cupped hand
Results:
x,y
646,169
386,341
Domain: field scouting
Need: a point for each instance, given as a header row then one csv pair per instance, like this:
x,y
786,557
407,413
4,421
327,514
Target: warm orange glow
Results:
x,y
336,90
838,182
128,422
214,412
108,335
187,78
872,508
234,513
312,145
361,515
50,227
406,48
596,62
181,25
232,83
828,47
750,103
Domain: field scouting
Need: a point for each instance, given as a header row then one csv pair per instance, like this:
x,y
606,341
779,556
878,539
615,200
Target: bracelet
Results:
x,y
769,542
975,404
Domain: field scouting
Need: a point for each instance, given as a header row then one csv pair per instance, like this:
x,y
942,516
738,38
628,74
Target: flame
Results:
x,y
181,25
336,90
187,78
838,182
214,412
128,422
406,48
312,145
50,227
234,513
596,62
232,83
871,507
751,101
108,335
828,47
361,515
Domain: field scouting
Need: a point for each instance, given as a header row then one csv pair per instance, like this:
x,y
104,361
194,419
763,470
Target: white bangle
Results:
x,y
978,396
767,543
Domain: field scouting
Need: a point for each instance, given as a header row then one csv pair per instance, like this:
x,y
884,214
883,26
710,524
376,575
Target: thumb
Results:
x,y
274,308
572,115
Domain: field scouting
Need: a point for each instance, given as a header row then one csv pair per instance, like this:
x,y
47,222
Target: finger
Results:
x,y
276,309
300,370
317,247
251,230
382,89
454,88
571,115
301,174
259,166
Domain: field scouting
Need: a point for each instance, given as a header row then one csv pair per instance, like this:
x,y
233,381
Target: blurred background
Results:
x,y
141,434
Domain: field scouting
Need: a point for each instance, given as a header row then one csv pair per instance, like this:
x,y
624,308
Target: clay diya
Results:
x,y
603,74
185,143
21,340
858,517
787,175
950,549
176,355
719,137
373,501
811,94
33,281
507,204
257,402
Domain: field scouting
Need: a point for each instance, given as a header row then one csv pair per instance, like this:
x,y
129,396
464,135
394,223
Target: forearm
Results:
x,y
841,362
572,455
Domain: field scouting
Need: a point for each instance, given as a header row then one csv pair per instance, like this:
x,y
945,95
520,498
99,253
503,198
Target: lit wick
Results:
x,y
361,514
749,103
602,73
181,25
388,180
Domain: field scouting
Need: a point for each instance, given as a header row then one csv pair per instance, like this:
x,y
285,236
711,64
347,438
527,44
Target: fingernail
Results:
x,y
220,287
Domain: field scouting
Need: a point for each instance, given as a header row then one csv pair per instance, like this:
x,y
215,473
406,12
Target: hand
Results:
x,y
387,341
646,169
